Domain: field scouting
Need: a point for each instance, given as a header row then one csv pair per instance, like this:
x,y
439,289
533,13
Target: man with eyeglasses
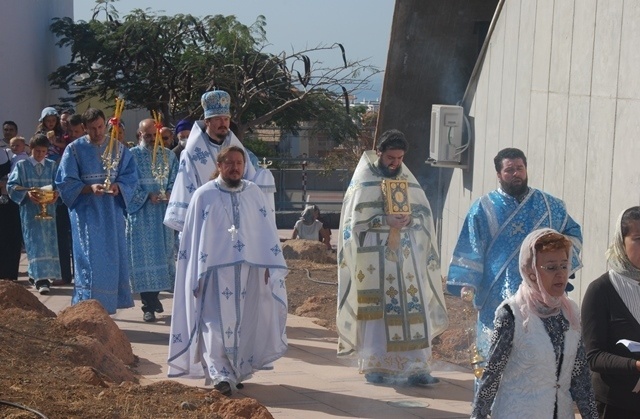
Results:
x,y
484,266
150,242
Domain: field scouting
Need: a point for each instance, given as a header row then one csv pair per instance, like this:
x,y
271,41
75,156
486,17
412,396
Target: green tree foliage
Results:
x,y
165,63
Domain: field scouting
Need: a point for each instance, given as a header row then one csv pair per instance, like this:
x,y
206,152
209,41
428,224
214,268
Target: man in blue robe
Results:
x,y
484,265
97,214
151,243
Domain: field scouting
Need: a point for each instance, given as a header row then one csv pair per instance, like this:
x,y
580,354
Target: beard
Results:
x,y
222,133
386,172
516,189
232,183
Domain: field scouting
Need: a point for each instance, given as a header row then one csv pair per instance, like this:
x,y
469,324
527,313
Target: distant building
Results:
x,y
29,55
371,105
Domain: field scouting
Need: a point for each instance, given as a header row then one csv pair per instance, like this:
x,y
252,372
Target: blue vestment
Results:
x,y
150,242
486,255
98,223
40,236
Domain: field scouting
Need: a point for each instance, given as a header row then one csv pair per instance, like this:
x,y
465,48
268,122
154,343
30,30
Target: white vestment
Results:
x,y
226,321
197,164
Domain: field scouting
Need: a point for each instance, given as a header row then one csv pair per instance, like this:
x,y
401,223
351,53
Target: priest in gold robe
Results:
x,y
390,296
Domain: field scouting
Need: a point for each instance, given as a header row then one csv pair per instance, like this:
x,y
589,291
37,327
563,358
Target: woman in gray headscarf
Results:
x,y
537,365
610,312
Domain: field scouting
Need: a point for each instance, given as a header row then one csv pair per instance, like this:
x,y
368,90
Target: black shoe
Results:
x,y
224,388
239,386
374,377
43,286
424,379
159,308
149,317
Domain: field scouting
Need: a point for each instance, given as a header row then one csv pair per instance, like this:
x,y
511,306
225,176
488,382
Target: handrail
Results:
x,y
475,74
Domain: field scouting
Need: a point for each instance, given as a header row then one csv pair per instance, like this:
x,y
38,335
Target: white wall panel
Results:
x,y
554,151
629,85
560,66
494,105
595,229
479,121
511,13
537,137
606,48
625,168
542,46
584,23
523,75
575,165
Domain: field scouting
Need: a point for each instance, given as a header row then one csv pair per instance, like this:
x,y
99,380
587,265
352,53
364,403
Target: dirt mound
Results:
x,y
90,319
15,296
308,250
75,366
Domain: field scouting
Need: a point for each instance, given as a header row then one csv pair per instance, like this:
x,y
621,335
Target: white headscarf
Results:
x,y
531,296
617,258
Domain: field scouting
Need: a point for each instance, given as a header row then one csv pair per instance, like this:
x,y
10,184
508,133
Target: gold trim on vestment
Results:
x,y
407,345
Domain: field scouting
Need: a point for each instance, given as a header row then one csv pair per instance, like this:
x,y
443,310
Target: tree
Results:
x,y
347,155
166,62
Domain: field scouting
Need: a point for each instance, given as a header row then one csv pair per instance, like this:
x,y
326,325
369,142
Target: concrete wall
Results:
x,y
29,54
432,51
560,81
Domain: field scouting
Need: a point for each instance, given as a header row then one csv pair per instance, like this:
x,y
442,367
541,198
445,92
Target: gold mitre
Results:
x,y
395,194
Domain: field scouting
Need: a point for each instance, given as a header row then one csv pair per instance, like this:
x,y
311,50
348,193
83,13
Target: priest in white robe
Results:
x,y
230,301
198,160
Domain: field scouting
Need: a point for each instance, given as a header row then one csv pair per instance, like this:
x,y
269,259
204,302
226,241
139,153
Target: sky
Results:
x,y
363,27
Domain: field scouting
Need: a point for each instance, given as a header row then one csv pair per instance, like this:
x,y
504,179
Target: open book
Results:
x,y
631,345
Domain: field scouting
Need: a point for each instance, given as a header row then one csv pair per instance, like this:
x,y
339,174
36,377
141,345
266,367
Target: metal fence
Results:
x,y
305,181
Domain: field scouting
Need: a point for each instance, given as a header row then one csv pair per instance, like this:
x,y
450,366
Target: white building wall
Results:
x,y
29,54
560,81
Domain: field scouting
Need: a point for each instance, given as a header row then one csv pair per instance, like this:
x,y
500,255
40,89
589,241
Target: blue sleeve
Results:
x,y
467,263
68,180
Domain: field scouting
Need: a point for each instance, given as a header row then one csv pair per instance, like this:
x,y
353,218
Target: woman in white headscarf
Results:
x,y
610,312
537,365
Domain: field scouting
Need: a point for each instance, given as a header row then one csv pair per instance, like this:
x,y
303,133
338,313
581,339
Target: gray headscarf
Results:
x,y
308,215
616,254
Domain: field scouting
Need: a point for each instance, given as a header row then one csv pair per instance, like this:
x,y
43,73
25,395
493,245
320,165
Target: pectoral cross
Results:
x,y
234,231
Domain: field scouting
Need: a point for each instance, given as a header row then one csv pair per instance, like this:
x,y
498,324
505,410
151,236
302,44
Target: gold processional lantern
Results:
x,y
111,155
159,165
477,360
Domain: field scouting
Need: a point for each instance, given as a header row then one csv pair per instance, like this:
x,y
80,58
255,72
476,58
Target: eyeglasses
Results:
x,y
166,138
555,268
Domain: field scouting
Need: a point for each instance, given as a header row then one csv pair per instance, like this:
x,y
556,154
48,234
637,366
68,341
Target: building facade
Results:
x,y
29,55
560,81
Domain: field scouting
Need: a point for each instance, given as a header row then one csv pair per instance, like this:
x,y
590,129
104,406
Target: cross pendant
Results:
x,y
233,230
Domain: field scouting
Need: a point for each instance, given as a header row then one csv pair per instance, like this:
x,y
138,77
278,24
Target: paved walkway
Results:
x,y
308,382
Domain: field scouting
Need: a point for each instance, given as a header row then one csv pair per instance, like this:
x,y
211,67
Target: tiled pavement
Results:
x,y
308,382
